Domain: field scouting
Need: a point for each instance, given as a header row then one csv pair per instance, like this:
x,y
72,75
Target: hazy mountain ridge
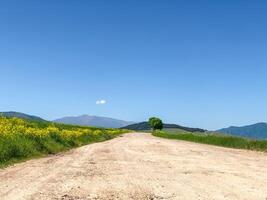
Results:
x,y
145,126
21,115
257,131
90,120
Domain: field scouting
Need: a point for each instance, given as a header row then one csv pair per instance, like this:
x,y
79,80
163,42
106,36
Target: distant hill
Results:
x,y
257,131
21,115
88,120
143,126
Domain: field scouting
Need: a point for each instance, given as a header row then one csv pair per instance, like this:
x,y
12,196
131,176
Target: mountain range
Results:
x,y
257,131
90,120
143,126
83,120
21,115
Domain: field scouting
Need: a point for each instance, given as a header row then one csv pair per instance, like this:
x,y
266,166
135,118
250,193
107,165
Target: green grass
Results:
x,y
214,139
22,139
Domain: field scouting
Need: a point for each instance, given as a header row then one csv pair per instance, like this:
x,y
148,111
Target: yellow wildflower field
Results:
x,y
20,139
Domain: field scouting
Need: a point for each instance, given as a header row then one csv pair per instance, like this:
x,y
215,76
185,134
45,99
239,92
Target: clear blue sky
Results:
x,y
195,63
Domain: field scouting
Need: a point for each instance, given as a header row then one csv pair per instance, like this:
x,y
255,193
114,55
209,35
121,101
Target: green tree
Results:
x,y
155,123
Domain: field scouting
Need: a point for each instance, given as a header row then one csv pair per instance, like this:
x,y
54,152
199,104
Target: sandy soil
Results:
x,y
140,166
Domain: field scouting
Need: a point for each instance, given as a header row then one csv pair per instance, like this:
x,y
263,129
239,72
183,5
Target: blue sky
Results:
x,y
195,63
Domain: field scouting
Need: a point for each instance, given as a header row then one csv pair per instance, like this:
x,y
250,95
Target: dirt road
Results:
x,y
140,166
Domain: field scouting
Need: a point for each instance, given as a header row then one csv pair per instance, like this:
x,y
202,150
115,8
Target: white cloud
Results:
x,y
102,101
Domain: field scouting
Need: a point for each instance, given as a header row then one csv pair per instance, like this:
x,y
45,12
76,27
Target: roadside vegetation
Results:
x,y
214,139
23,139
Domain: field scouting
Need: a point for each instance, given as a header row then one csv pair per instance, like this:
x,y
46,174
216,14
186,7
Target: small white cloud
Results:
x,y
100,102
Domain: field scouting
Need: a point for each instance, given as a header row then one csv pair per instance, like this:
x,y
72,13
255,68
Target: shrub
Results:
x,y
155,123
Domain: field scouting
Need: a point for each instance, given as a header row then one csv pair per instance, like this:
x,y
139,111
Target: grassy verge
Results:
x,y
219,140
21,139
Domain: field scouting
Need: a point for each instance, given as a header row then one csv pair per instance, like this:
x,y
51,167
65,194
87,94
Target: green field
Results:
x,y
214,139
23,139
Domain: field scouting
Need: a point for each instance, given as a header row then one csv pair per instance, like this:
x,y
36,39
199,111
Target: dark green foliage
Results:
x,y
155,123
219,140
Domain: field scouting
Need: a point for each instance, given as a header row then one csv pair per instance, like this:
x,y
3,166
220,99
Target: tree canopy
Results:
x,y
155,123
